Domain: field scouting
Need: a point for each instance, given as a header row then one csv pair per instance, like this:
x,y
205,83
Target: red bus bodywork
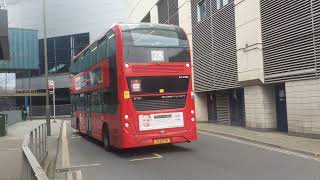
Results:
x,y
123,137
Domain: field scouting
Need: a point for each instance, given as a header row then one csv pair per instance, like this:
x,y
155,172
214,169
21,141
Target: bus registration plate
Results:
x,y
161,141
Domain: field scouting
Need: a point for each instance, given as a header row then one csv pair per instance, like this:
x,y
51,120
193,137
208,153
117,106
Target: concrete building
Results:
x,y
24,57
278,64
256,62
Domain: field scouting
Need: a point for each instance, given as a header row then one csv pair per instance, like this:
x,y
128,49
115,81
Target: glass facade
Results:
x,y
24,50
61,50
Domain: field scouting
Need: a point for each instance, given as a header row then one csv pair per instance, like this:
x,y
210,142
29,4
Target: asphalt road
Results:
x,y
211,157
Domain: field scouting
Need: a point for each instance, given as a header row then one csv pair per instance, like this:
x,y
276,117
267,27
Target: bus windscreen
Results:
x,y
155,45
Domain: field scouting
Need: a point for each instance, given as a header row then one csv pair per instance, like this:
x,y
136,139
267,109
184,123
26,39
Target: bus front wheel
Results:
x,y
106,139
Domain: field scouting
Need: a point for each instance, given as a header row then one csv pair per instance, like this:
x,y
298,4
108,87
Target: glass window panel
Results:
x,y
201,10
218,4
225,2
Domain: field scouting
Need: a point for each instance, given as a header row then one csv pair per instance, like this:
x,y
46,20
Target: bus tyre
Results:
x,y
106,141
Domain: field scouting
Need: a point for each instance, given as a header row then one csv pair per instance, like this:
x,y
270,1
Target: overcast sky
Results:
x,y
65,17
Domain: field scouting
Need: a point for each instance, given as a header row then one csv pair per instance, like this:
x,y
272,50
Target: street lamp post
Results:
x,y
46,68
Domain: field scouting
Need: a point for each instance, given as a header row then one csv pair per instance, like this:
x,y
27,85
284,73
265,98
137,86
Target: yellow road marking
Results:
x,y
79,175
156,156
65,150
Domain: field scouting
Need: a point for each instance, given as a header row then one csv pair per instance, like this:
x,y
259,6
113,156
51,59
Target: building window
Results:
x,y
168,12
201,10
147,18
60,50
221,3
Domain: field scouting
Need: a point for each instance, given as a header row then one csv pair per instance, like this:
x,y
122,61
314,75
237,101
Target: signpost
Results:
x,y
52,91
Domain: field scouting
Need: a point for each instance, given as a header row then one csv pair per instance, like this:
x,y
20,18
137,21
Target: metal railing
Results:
x,y
21,92
30,91
34,150
64,109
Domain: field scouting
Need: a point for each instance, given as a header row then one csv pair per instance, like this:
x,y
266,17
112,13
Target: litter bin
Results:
x,y
3,124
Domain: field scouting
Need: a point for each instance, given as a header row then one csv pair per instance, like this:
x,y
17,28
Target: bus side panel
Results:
x,y
112,121
82,122
114,124
97,120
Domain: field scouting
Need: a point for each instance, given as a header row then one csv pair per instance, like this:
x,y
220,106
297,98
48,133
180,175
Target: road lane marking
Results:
x,y
85,165
9,149
5,139
75,137
79,175
262,146
156,156
65,150
75,168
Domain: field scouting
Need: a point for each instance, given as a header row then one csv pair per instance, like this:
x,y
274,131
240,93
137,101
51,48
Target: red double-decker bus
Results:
x,y
133,88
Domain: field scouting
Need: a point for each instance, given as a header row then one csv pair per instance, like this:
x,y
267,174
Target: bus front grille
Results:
x,y
159,104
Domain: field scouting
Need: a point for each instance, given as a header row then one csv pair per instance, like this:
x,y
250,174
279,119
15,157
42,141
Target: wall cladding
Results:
x,y
24,50
291,39
214,46
316,23
168,12
223,111
303,104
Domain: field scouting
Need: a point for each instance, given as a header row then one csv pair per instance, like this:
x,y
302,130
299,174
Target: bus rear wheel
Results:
x,y
106,139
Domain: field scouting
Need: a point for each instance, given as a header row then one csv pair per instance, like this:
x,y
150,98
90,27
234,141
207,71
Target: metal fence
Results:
x,y
34,151
64,109
14,116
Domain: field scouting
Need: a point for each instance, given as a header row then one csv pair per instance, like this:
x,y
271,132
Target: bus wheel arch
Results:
x,y
78,124
106,137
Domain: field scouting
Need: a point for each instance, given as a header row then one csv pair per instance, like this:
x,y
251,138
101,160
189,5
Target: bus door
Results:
x,y
88,113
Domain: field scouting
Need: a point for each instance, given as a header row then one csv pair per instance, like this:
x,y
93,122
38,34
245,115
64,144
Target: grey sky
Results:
x,y
66,17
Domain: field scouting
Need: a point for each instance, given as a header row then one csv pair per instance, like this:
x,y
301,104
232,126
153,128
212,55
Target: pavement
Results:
x,y
11,159
306,146
210,157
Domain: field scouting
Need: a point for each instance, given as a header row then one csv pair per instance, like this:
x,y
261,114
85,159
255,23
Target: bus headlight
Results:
x,y
126,125
192,111
192,119
126,117
187,65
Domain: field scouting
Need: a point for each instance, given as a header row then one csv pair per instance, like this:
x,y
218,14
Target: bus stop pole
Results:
x,y
54,104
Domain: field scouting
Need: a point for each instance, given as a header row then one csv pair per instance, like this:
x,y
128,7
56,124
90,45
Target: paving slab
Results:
x,y
306,146
11,159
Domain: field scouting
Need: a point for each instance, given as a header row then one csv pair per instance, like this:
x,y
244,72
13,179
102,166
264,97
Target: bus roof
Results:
x,y
131,26
128,27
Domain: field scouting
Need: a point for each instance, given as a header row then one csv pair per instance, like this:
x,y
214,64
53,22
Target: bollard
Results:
x,y
45,144
31,142
39,145
36,144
